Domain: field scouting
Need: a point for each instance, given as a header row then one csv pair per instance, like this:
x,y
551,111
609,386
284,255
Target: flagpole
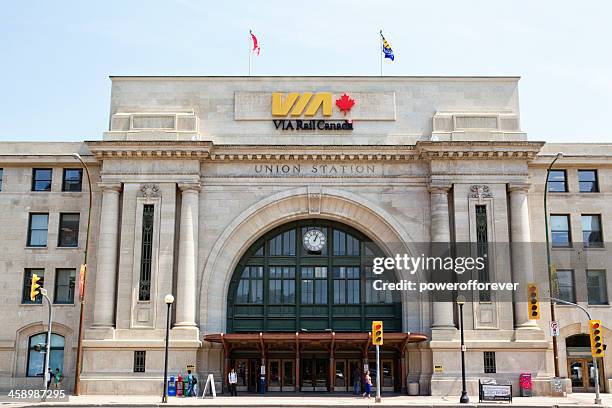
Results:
x,y
249,48
381,54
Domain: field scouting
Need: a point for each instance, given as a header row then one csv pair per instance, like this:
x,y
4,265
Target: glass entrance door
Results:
x,y
288,376
314,374
582,374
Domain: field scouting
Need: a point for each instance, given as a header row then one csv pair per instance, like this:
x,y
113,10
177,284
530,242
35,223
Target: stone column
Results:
x,y
522,260
440,238
188,240
106,269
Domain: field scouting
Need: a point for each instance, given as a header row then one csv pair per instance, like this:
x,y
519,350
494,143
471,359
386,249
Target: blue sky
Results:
x,y
57,55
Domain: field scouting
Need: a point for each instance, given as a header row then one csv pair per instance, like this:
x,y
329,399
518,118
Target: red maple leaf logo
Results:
x,y
345,103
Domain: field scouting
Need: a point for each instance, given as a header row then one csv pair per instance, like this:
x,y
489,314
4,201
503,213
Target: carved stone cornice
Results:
x,y
491,150
207,151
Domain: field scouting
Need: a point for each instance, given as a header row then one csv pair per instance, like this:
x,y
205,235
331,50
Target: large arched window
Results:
x,y
310,275
36,359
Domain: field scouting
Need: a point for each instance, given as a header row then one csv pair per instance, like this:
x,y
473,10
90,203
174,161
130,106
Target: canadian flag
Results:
x,y
256,49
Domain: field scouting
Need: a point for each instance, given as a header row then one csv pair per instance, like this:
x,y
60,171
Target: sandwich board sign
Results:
x,y
210,383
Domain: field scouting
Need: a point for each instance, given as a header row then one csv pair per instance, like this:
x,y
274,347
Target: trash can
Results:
x,y
413,388
525,384
262,384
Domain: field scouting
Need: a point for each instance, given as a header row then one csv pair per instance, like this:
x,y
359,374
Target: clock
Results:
x,y
314,240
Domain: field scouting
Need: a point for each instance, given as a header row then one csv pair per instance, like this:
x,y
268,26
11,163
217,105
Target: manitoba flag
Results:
x,y
256,49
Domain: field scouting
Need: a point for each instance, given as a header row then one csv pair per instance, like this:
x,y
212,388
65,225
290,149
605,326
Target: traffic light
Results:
x,y
34,288
377,333
533,301
597,346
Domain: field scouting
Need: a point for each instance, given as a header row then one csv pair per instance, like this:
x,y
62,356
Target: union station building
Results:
x,y
260,204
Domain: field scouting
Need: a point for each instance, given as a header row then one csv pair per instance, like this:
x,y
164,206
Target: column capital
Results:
x,y
439,188
519,187
111,187
189,187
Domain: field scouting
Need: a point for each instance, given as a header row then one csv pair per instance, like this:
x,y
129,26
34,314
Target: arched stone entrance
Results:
x,y
296,204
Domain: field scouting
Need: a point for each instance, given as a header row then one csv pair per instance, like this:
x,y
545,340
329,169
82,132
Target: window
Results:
x,y
310,290
559,230
250,288
373,296
1,176
314,285
27,283
282,285
68,235
489,362
72,180
36,359
597,289
283,244
587,180
345,244
565,285
64,286
591,231
140,358
482,248
41,179
557,181
146,253
346,285
37,229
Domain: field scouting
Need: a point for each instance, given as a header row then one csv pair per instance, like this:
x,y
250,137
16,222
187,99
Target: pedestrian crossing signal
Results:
x,y
533,301
597,346
377,333
34,287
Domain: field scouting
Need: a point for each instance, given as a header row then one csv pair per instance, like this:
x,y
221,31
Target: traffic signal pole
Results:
x,y
377,340
43,292
378,398
595,366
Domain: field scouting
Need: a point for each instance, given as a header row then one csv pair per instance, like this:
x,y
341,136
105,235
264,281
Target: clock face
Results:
x,y
314,240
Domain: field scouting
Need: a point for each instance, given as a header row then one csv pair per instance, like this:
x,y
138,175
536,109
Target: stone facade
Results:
x,y
205,152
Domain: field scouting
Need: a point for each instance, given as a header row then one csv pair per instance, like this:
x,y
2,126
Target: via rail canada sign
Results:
x,y
288,108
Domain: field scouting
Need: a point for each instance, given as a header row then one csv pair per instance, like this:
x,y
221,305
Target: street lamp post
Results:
x,y
595,367
82,280
549,263
464,396
169,299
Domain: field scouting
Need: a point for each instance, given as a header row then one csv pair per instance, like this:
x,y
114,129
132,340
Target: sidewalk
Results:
x,y
311,401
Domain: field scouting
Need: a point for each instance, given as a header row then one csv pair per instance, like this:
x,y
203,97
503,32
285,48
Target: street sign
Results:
x,y
554,328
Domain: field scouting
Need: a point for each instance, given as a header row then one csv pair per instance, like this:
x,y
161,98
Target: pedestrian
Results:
x,y
232,378
49,378
57,379
356,381
190,383
368,385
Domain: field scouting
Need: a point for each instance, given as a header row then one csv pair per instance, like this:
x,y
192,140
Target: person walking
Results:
x,y
368,385
356,381
232,378
57,379
190,383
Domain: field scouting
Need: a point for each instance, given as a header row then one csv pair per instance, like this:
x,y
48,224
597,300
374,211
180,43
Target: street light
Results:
x,y
464,396
169,299
82,280
548,261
